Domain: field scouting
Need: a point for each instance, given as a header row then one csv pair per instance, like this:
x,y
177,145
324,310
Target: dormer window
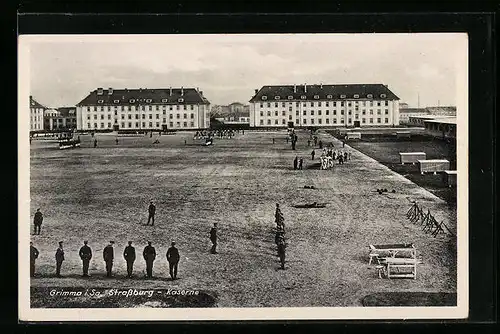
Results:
x,y
290,97
148,100
131,100
356,96
342,96
180,100
100,101
276,97
369,96
164,100
383,96
116,101
303,97
330,96
316,97
264,97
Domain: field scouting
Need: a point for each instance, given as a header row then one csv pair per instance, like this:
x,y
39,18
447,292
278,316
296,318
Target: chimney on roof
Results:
x,y
170,90
182,91
256,91
294,88
201,92
321,85
110,91
100,91
305,87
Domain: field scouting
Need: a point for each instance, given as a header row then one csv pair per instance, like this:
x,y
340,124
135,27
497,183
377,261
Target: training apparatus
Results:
x,y
310,205
390,266
433,165
450,178
353,135
411,157
428,222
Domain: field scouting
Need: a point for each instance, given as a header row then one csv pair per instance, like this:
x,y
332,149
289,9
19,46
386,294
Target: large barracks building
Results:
x,y
143,109
355,105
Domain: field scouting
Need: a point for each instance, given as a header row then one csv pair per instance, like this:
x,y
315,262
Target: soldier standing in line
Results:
x,y
116,140
129,255
149,255
173,260
33,256
37,221
85,255
273,140
213,238
95,143
301,161
295,161
312,155
281,250
59,258
152,211
345,156
108,254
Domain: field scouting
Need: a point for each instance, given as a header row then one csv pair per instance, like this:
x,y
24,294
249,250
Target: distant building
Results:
x,y
444,127
236,112
60,119
143,109
403,105
356,105
420,119
36,115
443,111
406,113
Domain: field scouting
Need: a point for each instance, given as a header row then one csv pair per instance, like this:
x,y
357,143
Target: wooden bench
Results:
x,y
393,266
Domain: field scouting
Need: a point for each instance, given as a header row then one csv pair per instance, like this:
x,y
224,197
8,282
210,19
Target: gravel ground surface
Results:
x,y
102,193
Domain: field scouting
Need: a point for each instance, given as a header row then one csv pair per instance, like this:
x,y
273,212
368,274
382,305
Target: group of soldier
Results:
x,y
85,253
280,235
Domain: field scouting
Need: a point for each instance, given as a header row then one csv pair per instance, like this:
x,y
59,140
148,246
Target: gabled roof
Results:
x,y
324,92
67,111
144,96
35,104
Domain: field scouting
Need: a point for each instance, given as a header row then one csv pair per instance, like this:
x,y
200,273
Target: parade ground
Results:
x,y
102,194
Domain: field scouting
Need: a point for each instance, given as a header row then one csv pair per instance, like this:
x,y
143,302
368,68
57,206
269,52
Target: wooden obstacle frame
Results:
x,y
428,222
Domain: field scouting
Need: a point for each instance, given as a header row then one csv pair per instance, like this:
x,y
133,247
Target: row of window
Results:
x,y
327,104
36,110
36,118
142,108
320,121
319,112
36,127
180,100
171,116
139,125
316,97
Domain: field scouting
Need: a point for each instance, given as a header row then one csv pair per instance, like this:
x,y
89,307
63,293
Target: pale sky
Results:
x,y
227,68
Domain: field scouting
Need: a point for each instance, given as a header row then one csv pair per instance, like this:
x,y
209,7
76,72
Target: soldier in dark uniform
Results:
x,y
151,211
129,255
301,161
278,218
173,260
116,140
281,251
149,255
37,221
213,238
33,256
59,258
312,155
320,144
108,254
95,143
345,156
85,255
295,161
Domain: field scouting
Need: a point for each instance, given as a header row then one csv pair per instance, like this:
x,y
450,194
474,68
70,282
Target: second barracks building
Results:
x,y
355,105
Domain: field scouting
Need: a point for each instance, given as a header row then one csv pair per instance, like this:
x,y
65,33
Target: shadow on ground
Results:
x,y
410,299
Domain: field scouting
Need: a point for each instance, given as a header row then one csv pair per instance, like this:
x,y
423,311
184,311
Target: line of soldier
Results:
x,y
280,235
149,255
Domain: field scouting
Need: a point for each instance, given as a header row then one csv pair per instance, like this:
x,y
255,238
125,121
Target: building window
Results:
x,y
185,116
261,113
334,112
383,96
157,116
378,120
387,111
304,121
261,122
319,112
304,104
297,104
164,120
329,96
276,113
363,120
102,116
289,108
349,120
100,101
334,121
327,121
316,97
177,107
171,108
283,121
136,124
192,124
371,120
297,112
88,117
269,104
342,96
378,103
268,122
290,97
283,113
262,105
304,113
276,98
342,121
349,112
289,117
109,116
319,121
342,112
387,103
371,111
88,125
171,124
275,121
371,103
116,101
178,124
379,112
312,120
303,97
192,116
170,116
178,116
369,96
387,120
312,112
312,104
264,97
269,113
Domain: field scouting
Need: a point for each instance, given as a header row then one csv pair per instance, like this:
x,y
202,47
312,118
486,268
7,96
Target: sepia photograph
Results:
x,y
243,176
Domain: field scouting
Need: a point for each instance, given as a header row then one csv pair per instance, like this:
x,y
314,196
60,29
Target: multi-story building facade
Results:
x,y
60,119
356,105
36,115
143,109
